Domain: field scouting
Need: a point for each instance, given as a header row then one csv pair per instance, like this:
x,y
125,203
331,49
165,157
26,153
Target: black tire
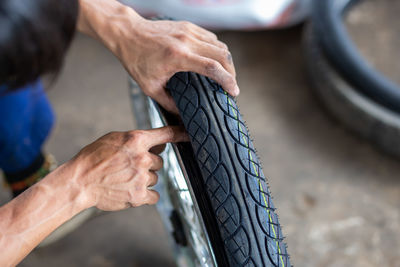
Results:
x,y
246,225
359,113
341,52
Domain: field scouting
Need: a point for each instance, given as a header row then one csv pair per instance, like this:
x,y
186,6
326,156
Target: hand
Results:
x,y
117,170
156,50
153,51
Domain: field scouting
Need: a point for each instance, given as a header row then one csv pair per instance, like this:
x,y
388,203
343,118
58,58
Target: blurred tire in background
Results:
x,y
356,93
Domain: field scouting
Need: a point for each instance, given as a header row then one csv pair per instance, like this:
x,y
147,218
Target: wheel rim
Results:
x,y
176,193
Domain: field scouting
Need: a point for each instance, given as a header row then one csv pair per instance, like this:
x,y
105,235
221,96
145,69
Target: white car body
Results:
x,y
227,14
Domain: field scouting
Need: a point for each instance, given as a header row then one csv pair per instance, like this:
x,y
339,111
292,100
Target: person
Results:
x,y
117,170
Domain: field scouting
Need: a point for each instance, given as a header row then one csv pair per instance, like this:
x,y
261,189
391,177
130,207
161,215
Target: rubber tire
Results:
x,y
341,52
235,185
356,111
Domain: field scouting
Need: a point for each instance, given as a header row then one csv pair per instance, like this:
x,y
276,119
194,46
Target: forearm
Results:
x,y
102,19
29,218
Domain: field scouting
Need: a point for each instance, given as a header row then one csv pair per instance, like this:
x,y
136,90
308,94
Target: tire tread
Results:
x,y
232,174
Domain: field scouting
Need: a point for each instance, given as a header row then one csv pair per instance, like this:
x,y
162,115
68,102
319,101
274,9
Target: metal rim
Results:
x,y
175,190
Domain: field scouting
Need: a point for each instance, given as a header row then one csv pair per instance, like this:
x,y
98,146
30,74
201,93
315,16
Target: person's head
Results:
x,y
34,36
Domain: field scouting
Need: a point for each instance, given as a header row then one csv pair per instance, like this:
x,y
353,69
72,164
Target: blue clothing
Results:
x,y
26,119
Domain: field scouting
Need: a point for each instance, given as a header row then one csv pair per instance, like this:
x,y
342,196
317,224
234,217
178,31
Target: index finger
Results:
x,y
163,135
213,69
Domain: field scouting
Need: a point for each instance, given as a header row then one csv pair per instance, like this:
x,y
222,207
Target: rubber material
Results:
x,y
235,184
356,111
344,56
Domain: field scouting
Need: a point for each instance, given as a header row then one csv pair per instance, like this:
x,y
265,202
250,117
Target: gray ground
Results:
x,y
338,197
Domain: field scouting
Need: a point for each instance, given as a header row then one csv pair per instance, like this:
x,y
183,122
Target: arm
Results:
x,y
33,215
112,173
153,51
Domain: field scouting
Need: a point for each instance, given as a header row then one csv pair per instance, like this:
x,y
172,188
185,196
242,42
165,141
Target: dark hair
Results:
x,y
34,37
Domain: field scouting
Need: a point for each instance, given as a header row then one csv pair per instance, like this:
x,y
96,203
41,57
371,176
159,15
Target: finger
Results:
x,y
214,70
208,37
204,31
223,56
113,206
152,197
120,176
153,178
191,27
167,134
157,162
113,199
166,101
157,149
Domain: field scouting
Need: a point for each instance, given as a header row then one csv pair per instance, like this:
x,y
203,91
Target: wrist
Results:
x,y
64,181
107,21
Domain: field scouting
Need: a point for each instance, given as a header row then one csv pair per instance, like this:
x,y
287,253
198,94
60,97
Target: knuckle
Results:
x,y
144,160
161,161
211,67
152,179
136,136
147,89
132,172
134,204
224,46
227,54
171,51
182,36
152,88
140,183
112,135
131,195
135,198
159,165
156,198
185,25
182,50
138,190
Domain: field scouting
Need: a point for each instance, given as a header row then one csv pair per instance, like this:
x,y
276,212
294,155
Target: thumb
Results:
x,y
166,101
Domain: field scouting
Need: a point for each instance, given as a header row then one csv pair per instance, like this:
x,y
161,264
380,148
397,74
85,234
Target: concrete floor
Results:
x,y
337,196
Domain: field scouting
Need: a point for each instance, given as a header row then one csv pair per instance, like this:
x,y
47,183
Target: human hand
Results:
x,y
153,51
117,170
156,50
